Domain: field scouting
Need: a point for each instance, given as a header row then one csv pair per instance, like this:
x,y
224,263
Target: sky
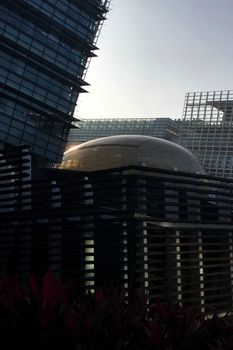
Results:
x,y
151,52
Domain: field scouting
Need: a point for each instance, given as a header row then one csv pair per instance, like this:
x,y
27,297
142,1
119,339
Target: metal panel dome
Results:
x,y
124,150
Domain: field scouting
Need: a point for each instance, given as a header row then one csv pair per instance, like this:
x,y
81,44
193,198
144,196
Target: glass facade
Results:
x,y
90,129
126,150
207,130
44,50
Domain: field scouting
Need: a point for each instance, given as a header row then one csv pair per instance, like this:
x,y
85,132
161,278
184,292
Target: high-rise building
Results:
x,y
90,129
207,130
45,46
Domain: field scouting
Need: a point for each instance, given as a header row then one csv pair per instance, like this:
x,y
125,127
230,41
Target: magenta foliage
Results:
x,y
55,315
49,300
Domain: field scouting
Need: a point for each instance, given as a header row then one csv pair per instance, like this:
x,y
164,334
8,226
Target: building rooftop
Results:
x,y
125,150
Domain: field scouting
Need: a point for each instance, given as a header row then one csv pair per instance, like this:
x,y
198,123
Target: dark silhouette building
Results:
x,y
45,47
159,223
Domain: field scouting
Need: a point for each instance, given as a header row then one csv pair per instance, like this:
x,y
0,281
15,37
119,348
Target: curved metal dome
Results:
x,y
117,151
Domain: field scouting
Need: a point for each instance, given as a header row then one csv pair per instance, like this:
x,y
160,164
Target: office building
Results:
x,y
90,129
207,130
45,47
124,211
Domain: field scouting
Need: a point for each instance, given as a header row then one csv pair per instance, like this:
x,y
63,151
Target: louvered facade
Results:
x,y
166,231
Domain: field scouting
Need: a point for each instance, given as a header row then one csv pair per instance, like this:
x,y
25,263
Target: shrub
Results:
x,y
56,316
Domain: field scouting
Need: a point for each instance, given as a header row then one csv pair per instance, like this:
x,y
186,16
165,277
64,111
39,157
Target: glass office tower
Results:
x,y
45,46
90,129
207,130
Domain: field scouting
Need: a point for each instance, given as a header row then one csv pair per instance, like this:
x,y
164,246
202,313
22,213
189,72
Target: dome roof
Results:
x,y
118,151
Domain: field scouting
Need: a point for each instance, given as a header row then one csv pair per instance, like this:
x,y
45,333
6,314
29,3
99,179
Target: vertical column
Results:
x,y
173,272
124,241
231,263
55,233
195,249
225,236
178,266
89,240
24,235
145,256
143,235
201,270
89,263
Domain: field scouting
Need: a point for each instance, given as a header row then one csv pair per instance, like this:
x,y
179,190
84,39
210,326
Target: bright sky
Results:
x,y
154,51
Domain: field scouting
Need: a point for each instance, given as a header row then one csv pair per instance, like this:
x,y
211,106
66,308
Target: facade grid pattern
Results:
x,y
90,129
207,130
